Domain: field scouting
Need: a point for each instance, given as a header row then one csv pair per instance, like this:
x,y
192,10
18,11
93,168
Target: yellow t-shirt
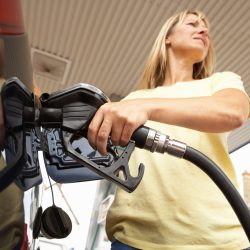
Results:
x,y
177,206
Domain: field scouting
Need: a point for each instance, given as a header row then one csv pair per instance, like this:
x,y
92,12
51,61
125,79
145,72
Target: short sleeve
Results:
x,y
226,80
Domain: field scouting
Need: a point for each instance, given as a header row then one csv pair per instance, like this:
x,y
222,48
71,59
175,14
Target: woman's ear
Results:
x,y
167,41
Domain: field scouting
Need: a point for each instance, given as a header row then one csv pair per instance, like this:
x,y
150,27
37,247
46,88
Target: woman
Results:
x,y
176,206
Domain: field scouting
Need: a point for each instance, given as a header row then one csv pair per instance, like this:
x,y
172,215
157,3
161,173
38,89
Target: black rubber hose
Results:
x,y
225,185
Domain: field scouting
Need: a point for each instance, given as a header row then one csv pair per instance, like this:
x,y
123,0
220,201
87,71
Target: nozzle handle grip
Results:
x,y
140,136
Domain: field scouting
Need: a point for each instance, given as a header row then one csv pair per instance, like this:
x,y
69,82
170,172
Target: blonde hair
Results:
x,y
155,69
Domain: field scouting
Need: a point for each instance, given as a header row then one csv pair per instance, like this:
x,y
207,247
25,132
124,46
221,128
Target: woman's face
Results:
x,y
189,38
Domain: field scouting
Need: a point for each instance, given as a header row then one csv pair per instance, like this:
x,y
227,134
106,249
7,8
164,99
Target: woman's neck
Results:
x,y
178,70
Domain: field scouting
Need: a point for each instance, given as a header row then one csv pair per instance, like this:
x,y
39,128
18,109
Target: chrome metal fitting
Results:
x,y
158,142
176,148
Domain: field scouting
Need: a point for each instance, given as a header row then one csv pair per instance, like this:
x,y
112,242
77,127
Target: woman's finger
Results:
x,y
94,127
103,135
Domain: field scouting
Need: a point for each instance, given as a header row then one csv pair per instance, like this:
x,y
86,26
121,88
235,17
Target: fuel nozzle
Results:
x,y
154,141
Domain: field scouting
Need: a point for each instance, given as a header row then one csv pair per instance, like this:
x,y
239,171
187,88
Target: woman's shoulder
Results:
x,y
224,75
141,93
226,79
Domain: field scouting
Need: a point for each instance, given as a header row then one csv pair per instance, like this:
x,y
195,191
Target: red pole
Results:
x,y
11,17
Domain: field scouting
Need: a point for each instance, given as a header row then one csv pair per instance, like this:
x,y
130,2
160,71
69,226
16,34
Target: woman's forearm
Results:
x,y
224,111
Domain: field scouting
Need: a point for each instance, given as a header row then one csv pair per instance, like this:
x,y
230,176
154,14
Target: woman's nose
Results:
x,y
203,30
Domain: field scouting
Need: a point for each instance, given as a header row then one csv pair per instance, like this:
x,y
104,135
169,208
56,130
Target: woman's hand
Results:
x,y
118,120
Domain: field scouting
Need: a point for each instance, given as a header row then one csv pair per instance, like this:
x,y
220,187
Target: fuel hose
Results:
x,y
154,141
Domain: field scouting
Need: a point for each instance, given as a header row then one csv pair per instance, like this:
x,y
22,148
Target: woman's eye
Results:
x,y
192,24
